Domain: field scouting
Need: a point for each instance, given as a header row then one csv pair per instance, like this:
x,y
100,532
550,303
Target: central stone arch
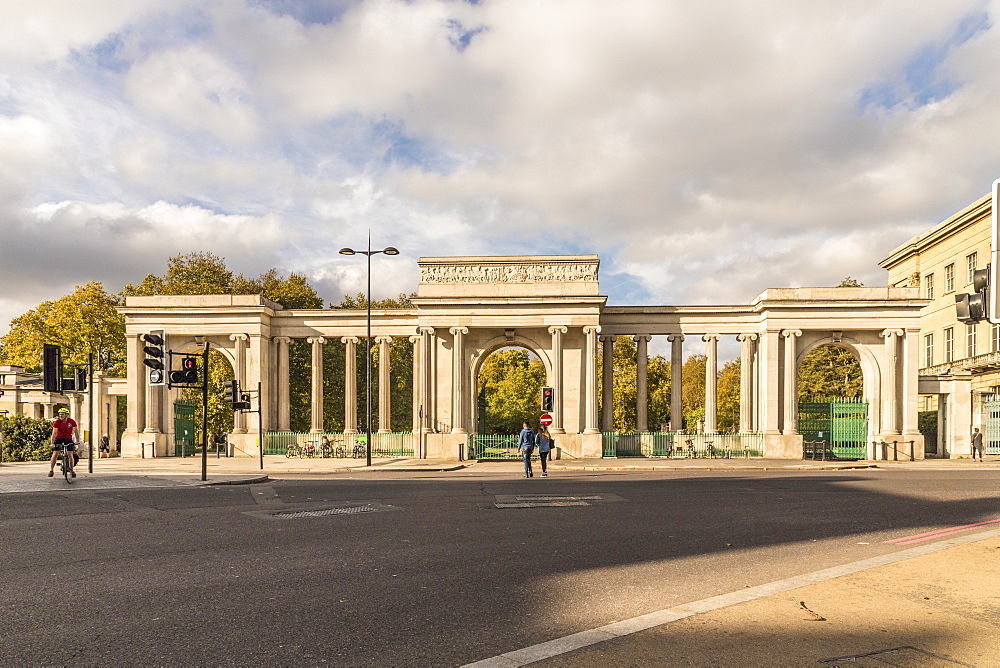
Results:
x,y
489,347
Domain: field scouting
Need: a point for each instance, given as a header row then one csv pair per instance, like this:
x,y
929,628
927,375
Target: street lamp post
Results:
x,y
388,250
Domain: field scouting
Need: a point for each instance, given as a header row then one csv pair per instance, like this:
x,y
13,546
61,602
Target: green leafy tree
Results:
x,y
728,414
82,322
830,370
510,385
25,439
693,390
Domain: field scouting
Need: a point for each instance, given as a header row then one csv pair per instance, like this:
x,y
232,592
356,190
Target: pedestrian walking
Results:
x,y
104,448
526,443
977,444
543,439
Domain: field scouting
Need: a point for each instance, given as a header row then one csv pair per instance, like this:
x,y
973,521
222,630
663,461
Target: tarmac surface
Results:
x,y
936,603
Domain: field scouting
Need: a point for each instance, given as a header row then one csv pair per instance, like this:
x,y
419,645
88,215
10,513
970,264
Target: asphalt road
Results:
x,y
425,568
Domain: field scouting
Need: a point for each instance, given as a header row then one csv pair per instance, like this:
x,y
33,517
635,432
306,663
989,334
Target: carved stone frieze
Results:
x,y
549,272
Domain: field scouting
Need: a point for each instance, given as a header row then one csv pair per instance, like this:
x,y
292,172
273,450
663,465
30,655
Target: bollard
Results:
x,y
911,451
895,452
461,452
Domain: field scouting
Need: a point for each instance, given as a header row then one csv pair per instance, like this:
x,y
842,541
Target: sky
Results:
x,y
705,150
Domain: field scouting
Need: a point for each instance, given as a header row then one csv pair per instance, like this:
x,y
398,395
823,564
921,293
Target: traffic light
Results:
x,y
51,368
548,399
231,391
80,374
155,355
187,374
974,308
244,403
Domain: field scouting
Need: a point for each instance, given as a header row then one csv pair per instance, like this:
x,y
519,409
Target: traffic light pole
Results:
x,y
90,403
204,414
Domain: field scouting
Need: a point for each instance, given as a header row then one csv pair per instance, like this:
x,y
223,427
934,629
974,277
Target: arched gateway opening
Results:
x,y
833,408
466,308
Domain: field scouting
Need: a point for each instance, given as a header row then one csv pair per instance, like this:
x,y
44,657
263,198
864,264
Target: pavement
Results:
x,y
870,612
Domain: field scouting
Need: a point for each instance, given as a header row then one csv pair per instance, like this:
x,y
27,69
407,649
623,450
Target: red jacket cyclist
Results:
x,y
64,431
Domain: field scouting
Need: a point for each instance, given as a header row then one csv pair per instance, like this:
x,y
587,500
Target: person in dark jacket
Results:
x,y
526,442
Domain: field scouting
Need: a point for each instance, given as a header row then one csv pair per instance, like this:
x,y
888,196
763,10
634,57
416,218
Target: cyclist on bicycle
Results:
x,y
64,432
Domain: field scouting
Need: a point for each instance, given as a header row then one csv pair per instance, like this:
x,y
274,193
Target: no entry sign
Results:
x,y
545,420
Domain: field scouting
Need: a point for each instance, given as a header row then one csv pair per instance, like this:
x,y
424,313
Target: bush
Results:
x,y
25,439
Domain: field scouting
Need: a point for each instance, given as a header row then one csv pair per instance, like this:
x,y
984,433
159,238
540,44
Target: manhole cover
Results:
x,y
550,500
295,514
541,504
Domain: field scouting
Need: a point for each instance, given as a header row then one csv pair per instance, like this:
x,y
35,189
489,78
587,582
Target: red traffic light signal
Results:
x,y
548,399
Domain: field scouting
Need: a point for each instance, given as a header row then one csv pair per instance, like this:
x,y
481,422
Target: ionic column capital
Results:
x,y
789,333
675,337
316,340
458,330
747,336
383,339
282,339
425,330
711,337
239,337
642,337
347,339
592,329
608,337
414,339
887,333
558,329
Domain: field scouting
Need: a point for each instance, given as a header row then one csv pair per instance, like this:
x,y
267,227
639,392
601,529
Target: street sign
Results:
x,y
545,420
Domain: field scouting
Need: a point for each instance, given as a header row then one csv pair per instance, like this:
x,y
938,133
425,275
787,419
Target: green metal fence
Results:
x,y
184,428
334,444
495,447
842,423
681,445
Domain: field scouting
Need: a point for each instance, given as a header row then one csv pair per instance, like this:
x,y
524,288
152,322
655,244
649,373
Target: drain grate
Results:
x,y
896,656
296,514
550,500
541,504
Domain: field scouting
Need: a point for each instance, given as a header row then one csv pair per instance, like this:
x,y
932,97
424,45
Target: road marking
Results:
x,y
931,535
547,650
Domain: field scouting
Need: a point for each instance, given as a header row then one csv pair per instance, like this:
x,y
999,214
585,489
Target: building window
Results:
x,y
970,340
929,286
928,350
949,344
949,278
971,261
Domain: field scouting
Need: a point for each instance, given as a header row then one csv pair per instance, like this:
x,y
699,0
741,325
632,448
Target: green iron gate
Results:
x,y
184,428
841,423
992,440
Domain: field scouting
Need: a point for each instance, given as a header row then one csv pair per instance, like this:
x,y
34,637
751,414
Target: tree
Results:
x,y
728,415
25,439
693,390
82,322
830,370
510,385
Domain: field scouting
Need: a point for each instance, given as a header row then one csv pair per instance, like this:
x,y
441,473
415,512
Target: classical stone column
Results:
x,y
890,412
384,385
608,383
138,375
769,397
911,365
676,382
284,399
590,372
417,384
711,382
641,386
350,384
790,420
317,384
557,378
240,373
458,397
426,376
746,381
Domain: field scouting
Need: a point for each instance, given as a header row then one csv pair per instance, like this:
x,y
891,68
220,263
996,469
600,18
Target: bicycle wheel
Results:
x,y
65,466
341,452
359,451
291,451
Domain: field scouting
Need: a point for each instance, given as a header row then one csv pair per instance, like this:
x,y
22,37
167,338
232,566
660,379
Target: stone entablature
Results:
x,y
526,276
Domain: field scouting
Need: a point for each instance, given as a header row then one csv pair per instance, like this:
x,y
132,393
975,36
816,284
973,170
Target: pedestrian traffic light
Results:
x,y
187,374
155,355
51,368
548,399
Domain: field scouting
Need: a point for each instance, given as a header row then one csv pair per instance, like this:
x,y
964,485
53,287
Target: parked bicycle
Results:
x,y
293,450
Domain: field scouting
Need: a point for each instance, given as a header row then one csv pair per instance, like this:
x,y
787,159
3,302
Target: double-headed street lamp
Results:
x,y
388,250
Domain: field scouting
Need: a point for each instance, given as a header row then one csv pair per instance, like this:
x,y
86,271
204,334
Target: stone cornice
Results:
x,y
970,215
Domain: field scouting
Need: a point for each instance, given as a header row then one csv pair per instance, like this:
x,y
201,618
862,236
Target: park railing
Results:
x,y
337,444
681,445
